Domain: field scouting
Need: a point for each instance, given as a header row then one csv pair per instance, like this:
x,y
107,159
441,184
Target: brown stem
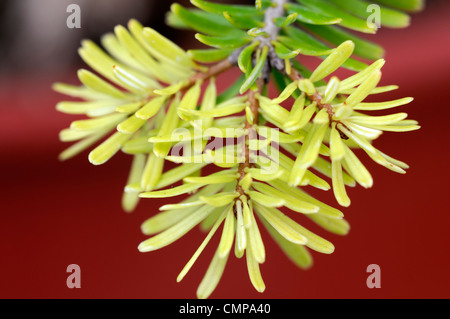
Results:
x,y
254,103
212,71
254,106
316,97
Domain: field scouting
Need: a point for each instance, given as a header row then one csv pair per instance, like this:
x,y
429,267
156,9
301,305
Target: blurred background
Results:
x,y
53,213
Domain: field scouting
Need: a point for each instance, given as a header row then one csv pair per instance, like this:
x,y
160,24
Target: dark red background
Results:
x,y
54,214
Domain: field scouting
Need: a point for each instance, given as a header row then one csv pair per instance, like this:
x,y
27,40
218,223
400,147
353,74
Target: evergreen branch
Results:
x,y
254,109
149,98
272,31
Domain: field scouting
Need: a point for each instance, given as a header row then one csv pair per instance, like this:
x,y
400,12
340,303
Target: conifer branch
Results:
x,y
254,106
272,32
146,98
